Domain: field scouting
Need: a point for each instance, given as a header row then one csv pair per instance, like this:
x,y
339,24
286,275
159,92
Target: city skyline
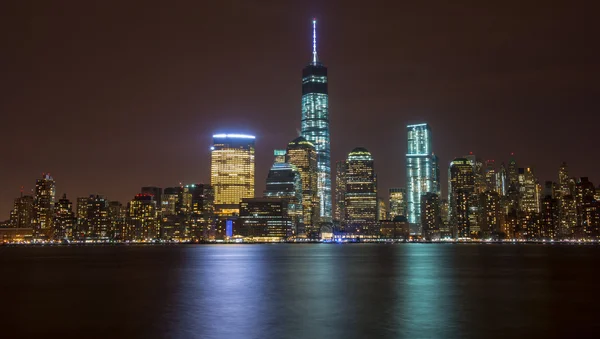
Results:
x,y
113,151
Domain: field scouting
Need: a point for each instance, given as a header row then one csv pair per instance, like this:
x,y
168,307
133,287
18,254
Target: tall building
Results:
x,y
397,202
549,218
490,215
361,193
461,189
232,170
284,182
490,175
22,214
117,216
341,167
64,219
530,190
199,206
382,209
303,155
422,171
142,218
98,224
315,124
156,192
430,215
81,218
43,205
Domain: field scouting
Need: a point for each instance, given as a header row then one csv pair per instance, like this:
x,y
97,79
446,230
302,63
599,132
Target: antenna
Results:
x,y
314,40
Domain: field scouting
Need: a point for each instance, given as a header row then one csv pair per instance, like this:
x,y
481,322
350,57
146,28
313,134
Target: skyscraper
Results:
x,y
315,124
43,204
461,188
530,190
340,191
64,219
303,155
430,215
361,193
142,221
23,213
422,171
97,221
284,182
397,202
232,170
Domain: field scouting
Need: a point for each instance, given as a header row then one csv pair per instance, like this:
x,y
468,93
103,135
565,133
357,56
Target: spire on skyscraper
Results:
x,y
314,41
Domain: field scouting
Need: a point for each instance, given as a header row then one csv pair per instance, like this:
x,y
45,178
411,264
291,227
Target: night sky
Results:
x,y
110,96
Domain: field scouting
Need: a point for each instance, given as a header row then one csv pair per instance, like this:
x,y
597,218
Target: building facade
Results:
x,y
232,170
361,193
422,171
315,125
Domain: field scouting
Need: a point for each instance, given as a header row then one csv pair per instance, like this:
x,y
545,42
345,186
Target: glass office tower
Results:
x,y
422,171
315,124
232,168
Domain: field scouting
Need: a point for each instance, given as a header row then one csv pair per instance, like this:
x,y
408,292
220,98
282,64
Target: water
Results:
x,y
301,291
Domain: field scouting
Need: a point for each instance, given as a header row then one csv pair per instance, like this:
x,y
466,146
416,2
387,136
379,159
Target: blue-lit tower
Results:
x,y
315,124
422,171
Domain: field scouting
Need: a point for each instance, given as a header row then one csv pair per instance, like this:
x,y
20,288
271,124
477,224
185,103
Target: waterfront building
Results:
x,y
117,218
232,171
43,207
156,192
98,224
382,210
81,218
490,215
22,214
549,218
461,189
264,220
361,193
430,216
142,219
422,171
64,219
395,229
315,125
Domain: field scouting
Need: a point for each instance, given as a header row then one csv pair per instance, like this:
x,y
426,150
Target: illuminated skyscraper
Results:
x,y
302,154
461,188
422,171
23,213
340,191
232,170
430,215
97,221
142,218
397,202
361,193
43,204
315,124
284,182
530,190
81,215
64,219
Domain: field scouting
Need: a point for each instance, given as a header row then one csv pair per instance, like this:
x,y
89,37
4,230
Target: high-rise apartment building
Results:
x,y
64,219
422,171
430,215
361,193
43,205
461,189
232,170
22,214
315,124
98,223
530,189
142,218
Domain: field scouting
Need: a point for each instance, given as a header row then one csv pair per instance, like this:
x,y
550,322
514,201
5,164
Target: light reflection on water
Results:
x,y
301,291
